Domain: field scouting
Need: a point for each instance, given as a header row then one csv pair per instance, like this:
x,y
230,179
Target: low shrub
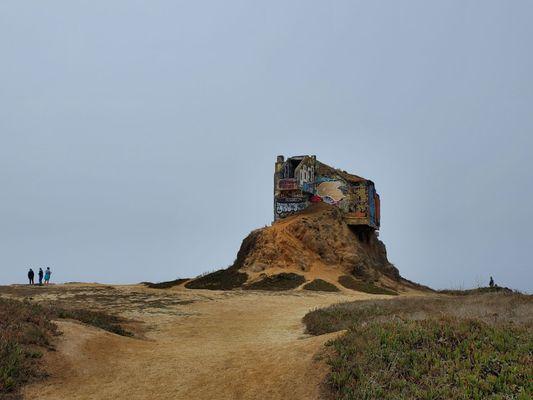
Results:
x,y
283,281
99,319
479,290
435,347
25,331
165,285
432,359
366,287
321,285
224,279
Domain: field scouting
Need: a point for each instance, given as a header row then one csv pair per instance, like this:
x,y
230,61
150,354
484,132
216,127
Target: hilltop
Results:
x,y
313,248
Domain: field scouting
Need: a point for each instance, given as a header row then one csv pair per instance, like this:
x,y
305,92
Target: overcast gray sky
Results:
x,y
138,137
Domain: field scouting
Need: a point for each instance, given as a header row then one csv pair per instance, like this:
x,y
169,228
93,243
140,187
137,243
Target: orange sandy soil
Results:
x,y
223,345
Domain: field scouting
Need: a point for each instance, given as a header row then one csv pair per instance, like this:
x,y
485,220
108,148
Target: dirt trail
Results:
x,y
224,345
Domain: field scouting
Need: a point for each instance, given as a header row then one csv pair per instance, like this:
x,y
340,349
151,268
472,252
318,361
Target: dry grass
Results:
x,y
495,308
479,290
443,347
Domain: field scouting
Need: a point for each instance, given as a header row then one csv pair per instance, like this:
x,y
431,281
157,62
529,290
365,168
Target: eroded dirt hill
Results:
x,y
313,245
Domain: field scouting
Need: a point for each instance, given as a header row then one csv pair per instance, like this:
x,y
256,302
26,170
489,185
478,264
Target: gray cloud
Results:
x,y
138,138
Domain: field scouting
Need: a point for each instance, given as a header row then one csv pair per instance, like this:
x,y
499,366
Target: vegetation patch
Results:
x,y
479,290
441,347
25,331
432,359
224,279
283,281
165,285
321,286
99,319
366,287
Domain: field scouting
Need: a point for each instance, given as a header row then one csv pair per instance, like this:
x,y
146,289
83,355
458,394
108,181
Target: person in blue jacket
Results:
x,y
47,275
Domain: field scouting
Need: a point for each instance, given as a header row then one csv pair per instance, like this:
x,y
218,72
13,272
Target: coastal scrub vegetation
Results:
x,y
27,330
478,346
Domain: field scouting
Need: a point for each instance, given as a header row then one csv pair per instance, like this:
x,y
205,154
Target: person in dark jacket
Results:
x,y
31,275
41,274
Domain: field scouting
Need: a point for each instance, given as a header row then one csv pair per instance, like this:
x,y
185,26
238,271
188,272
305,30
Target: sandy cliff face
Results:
x,y
317,240
315,244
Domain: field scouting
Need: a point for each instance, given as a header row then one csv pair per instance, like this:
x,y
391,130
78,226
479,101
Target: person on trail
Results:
x,y
491,282
31,275
41,274
47,276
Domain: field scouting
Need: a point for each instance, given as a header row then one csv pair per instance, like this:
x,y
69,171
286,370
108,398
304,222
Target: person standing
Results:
x,y
31,275
41,274
47,275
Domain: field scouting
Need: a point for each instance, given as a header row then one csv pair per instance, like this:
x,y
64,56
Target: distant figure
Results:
x,y
41,274
31,275
491,282
47,275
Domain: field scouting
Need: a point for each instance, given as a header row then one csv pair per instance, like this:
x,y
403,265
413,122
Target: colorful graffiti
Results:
x,y
302,180
308,187
320,179
288,184
361,201
282,208
331,191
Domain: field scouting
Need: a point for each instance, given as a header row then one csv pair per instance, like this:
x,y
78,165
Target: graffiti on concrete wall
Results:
x,y
320,179
288,184
308,187
361,201
282,208
302,180
332,192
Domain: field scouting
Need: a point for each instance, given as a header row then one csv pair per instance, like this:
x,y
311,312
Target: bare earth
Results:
x,y
195,344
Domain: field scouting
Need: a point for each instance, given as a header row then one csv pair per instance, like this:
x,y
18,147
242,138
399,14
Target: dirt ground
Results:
x,y
195,344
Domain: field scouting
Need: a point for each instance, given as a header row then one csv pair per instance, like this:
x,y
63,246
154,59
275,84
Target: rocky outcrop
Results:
x,y
316,238
316,243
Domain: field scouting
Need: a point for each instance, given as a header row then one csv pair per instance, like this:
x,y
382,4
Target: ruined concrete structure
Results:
x,y
302,180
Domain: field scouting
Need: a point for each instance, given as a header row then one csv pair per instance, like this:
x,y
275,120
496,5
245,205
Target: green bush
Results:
x,y
432,359
24,329
165,285
365,287
107,322
224,279
283,281
477,346
321,285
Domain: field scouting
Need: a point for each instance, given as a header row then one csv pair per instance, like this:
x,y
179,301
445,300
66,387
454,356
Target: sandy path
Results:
x,y
239,345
